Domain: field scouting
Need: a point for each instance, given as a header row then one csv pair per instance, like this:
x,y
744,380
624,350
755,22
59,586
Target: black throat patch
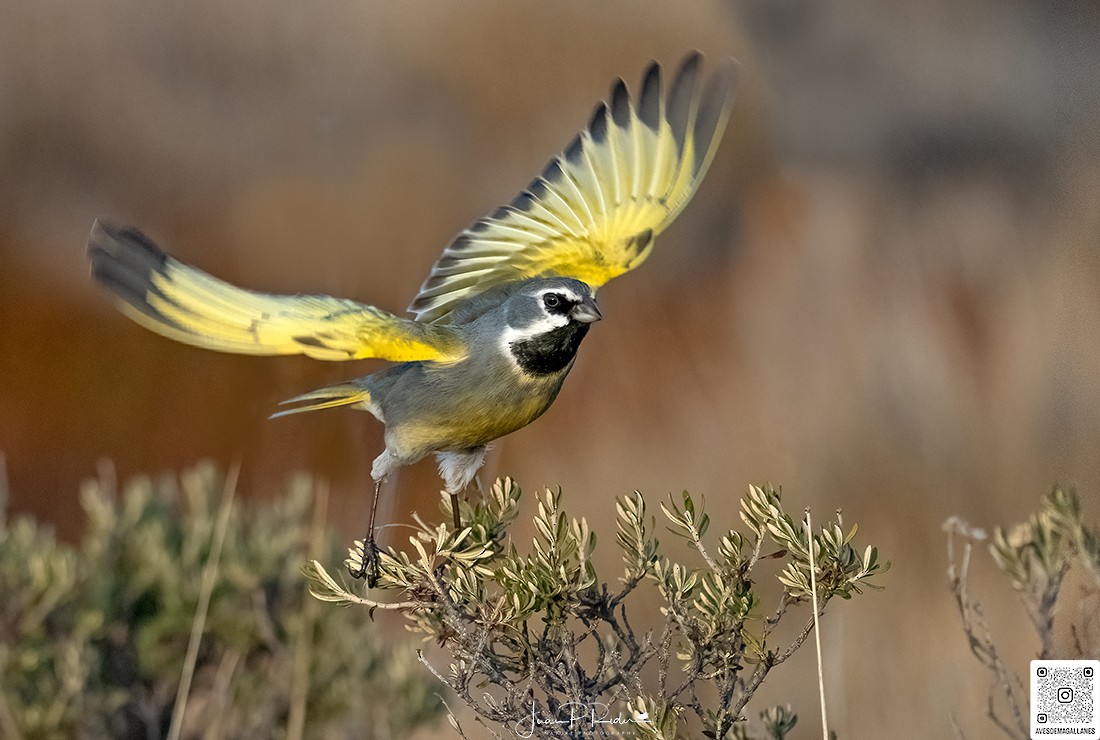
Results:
x,y
551,352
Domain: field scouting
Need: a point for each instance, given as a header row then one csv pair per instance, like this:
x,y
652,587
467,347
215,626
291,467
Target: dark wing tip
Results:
x,y
690,64
574,151
552,172
460,242
523,202
714,109
620,104
683,98
723,82
124,260
597,127
124,243
649,101
693,57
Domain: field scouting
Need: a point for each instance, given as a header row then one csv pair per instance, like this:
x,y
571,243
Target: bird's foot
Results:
x,y
369,565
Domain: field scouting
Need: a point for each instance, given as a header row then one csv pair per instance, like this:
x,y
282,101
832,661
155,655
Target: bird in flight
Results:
x,y
498,321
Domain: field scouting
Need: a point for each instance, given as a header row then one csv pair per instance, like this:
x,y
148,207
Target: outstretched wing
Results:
x,y
594,211
190,306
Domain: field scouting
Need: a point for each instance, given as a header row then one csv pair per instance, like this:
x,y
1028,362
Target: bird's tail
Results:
x,y
184,303
345,394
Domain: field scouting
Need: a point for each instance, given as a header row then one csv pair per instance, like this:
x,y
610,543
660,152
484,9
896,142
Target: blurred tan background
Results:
x,y
885,297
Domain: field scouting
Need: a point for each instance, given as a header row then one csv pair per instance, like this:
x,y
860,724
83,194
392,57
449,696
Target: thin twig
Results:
x,y
770,623
303,649
629,586
796,643
977,629
420,657
221,695
383,605
693,673
210,572
817,627
452,720
711,562
766,663
755,556
991,713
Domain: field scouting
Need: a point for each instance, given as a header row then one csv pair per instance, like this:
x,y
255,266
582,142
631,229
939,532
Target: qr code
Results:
x,y
1064,698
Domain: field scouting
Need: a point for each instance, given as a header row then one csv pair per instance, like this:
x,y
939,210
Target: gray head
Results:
x,y
545,320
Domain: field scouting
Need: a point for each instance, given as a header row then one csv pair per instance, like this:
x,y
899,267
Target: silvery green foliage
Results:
x,y
1036,554
1035,557
777,722
842,570
541,646
93,636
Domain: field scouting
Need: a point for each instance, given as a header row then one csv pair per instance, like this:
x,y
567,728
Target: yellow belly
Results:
x,y
456,424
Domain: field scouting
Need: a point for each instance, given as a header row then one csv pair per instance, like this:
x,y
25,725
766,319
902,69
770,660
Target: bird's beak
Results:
x,y
586,311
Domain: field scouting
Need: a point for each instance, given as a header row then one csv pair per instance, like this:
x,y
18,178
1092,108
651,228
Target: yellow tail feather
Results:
x,y
327,398
183,303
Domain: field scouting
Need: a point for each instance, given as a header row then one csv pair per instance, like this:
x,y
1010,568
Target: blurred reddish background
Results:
x,y
885,297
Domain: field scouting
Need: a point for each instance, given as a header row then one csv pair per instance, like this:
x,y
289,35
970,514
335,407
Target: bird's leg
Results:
x,y
457,468
369,568
454,511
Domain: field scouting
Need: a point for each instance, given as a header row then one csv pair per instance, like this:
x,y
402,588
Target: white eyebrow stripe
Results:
x,y
567,292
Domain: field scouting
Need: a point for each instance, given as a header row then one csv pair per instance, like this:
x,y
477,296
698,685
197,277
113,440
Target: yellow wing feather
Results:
x,y
188,305
594,211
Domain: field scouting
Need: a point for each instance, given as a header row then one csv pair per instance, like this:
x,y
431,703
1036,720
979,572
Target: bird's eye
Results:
x,y
553,300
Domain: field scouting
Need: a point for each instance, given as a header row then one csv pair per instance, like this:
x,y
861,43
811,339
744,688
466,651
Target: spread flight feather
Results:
x,y
593,212
592,215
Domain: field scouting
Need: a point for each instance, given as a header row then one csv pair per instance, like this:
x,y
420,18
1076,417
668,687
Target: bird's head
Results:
x,y
545,321
544,304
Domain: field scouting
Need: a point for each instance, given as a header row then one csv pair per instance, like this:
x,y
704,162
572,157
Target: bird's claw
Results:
x,y
369,565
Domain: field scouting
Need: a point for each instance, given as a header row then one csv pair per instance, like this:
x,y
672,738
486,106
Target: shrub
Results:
x,y
541,646
94,638
1035,557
